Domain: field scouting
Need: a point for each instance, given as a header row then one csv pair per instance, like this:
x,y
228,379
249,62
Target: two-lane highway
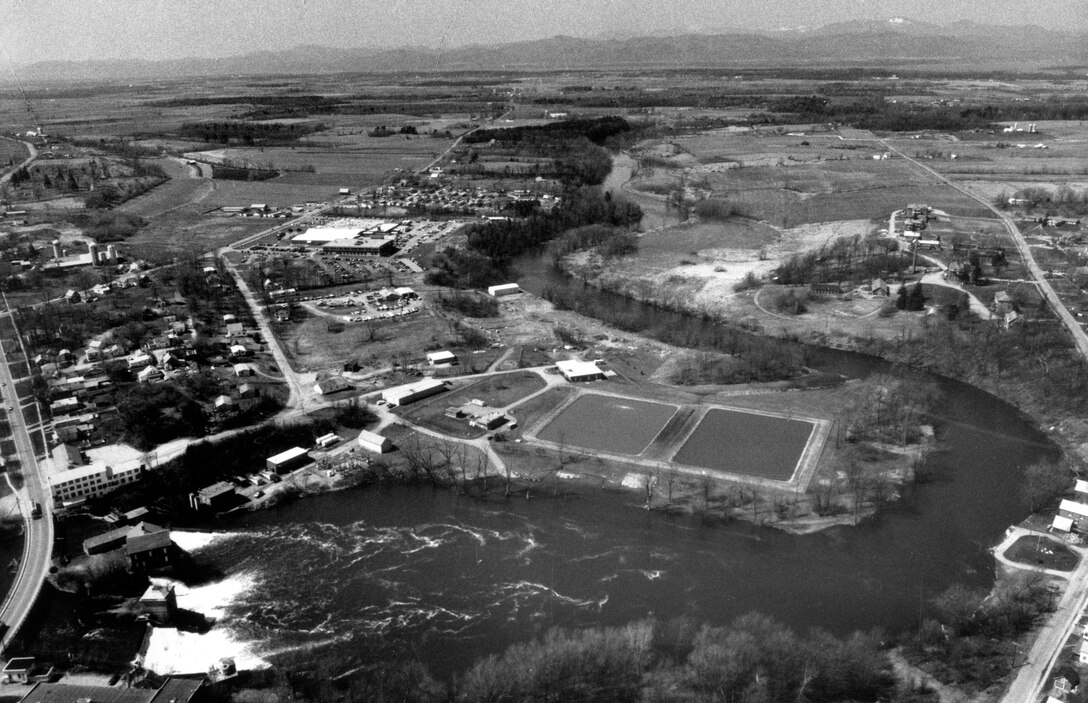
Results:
x,y
38,532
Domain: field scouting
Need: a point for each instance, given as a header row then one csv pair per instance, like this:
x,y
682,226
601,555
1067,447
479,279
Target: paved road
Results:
x,y
1034,671
1080,338
38,533
33,155
1032,675
302,395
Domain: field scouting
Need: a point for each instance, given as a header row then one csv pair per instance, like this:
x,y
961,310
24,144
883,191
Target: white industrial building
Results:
x,y
575,370
441,358
402,395
374,442
322,235
91,480
503,289
289,460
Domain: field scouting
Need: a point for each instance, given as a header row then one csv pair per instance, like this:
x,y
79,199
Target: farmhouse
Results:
x,y
403,395
503,289
288,460
575,370
244,370
374,442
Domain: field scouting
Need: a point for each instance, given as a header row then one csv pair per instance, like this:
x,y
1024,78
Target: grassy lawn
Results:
x,y
1042,551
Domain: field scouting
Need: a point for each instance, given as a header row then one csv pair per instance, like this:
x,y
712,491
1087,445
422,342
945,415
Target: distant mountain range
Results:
x,y
888,43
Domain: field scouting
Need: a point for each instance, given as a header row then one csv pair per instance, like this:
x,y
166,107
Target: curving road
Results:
x,y
38,533
33,155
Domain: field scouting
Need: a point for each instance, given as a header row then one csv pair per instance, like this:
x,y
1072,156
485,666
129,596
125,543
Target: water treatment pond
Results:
x,y
609,423
746,443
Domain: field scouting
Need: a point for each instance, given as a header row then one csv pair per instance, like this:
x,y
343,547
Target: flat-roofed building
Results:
x,y
402,395
441,358
173,690
503,289
323,235
575,370
91,480
289,460
66,456
363,246
218,496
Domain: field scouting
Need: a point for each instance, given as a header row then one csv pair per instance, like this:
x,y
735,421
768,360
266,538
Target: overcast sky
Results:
x,y
154,29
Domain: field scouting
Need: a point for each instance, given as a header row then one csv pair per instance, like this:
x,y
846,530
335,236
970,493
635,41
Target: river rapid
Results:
x,y
389,572
450,579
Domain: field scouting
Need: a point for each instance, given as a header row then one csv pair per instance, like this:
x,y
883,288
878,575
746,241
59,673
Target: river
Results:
x,y
451,579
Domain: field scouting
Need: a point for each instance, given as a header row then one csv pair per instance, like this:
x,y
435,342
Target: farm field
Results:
x,y
184,231
312,346
11,152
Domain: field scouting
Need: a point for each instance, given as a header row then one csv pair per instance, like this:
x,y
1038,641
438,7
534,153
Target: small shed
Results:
x,y
879,287
1061,524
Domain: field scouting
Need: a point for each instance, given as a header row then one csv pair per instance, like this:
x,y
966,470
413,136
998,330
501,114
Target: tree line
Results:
x,y
493,246
248,133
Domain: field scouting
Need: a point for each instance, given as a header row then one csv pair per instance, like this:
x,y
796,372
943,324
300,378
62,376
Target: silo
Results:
x,y
111,254
92,249
56,248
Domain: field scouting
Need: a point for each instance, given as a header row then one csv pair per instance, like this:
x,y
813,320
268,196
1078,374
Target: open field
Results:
x,y
11,152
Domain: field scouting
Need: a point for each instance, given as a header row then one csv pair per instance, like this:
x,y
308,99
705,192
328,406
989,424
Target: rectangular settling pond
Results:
x,y
608,424
746,443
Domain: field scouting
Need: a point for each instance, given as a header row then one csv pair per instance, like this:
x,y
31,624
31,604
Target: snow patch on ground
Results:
x,y
634,481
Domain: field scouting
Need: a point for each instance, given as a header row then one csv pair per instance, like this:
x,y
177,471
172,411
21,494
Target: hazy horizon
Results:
x,y
153,29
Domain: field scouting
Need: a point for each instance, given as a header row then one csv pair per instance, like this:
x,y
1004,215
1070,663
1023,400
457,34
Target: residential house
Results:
x,y
150,374
333,384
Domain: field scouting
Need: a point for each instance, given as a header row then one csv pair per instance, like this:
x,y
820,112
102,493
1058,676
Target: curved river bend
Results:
x,y
450,579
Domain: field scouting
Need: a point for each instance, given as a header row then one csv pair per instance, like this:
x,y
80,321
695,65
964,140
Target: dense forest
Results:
x,y
493,246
